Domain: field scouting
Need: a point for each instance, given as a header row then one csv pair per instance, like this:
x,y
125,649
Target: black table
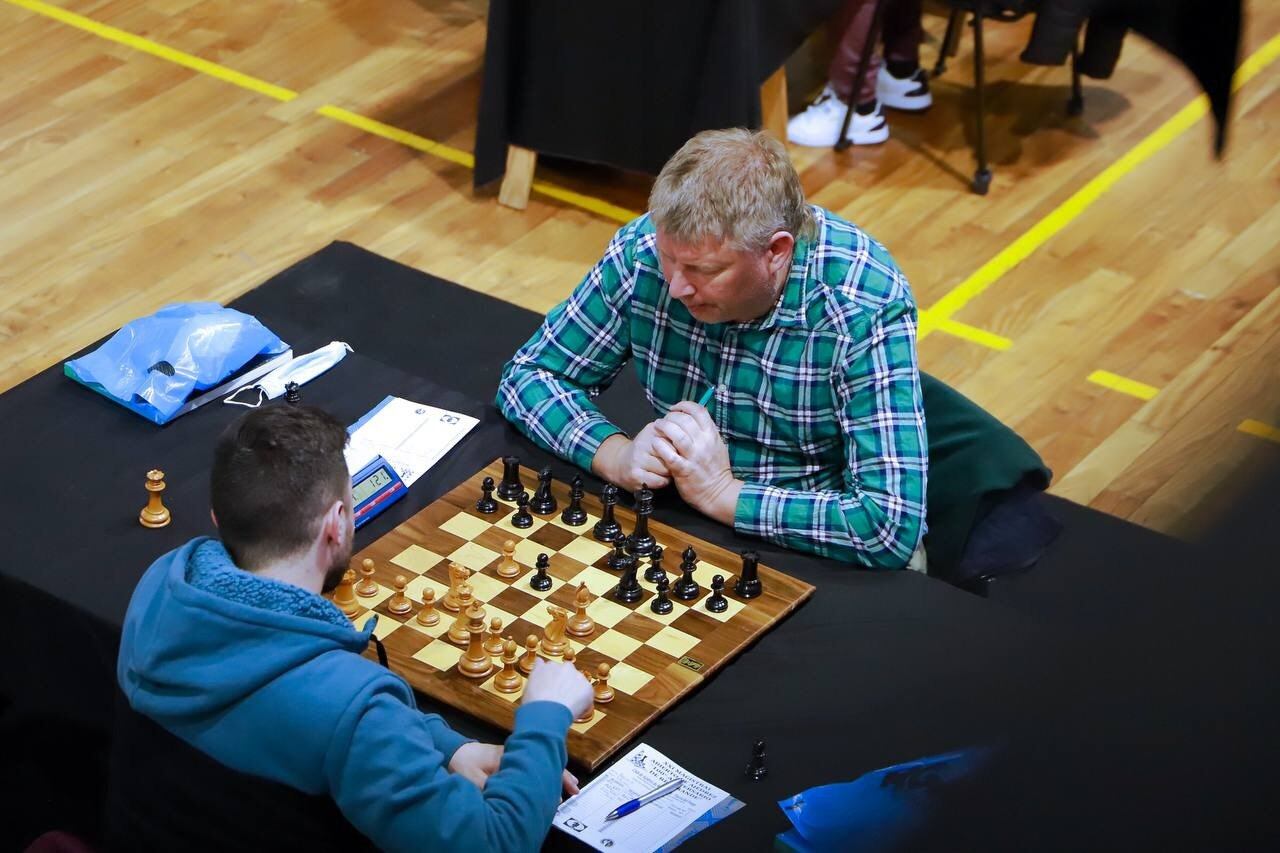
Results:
x,y
877,668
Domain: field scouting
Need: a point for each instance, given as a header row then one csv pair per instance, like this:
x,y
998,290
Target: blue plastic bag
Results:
x,y
154,364
876,810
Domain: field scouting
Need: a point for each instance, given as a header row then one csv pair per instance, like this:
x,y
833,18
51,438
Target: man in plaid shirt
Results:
x,y
805,328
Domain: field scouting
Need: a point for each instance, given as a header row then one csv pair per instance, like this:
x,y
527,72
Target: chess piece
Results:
x,y
493,640
399,602
607,529
541,581
619,551
508,681
748,584
522,519
292,393
475,661
662,603
486,503
458,634
427,615
510,487
345,594
543,502
570,658
553,641
574,515
716,602
581,625
655,570
628,590
457,577
154,514
368,587
641,542
756,769
686,588
601,688
508,568
530,656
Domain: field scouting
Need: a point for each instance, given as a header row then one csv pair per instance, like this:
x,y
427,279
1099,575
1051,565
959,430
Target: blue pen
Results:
x,y
631,805
706,398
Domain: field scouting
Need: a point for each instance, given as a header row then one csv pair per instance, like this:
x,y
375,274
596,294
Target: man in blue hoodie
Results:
x,y
230,646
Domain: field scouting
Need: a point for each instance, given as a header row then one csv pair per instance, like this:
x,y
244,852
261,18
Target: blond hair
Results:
x,y
734,185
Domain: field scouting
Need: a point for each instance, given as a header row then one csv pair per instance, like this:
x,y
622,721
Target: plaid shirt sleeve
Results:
x,y
547,387
878,519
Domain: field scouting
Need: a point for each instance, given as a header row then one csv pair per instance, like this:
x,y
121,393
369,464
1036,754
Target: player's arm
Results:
x,y
878,518
391,781
547,388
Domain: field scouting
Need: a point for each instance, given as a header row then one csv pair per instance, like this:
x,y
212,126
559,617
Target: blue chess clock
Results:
x,y
376,487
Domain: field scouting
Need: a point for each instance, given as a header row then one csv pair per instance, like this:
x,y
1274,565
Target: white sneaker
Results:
x,y
819,125
904,93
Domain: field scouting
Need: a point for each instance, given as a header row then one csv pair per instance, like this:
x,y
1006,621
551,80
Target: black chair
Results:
x,y
979,10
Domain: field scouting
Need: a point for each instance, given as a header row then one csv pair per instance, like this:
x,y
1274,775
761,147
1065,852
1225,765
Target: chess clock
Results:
x,y
374,488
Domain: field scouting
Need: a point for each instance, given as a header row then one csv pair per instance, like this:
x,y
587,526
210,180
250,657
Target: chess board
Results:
x,y
655,660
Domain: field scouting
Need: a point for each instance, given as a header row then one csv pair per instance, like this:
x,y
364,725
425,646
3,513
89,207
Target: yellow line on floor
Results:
x,y
1125,386
1020,249
139,43
1259,429
395,134
974,335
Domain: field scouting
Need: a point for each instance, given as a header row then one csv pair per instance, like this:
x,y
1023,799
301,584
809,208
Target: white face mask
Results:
x,y
301,370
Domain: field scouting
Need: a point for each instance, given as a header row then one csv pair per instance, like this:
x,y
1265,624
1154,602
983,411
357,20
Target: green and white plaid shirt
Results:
x,y
818,401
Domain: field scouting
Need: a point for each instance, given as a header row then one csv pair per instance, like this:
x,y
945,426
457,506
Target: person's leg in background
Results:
x,y
819,125
900,82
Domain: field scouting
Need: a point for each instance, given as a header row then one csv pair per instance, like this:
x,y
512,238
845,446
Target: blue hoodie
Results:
x,y
268,679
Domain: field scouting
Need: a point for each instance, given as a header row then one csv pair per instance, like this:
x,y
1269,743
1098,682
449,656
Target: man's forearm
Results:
x,y
605,464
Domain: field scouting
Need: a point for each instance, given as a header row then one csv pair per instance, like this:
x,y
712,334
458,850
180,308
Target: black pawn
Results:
x,y
487,504
522,519
756,769
641,541
686,588
629,590
541,581
717,603
292,393
543,502
574,515
619,552
510,487
662,603
748,584
655,570
607,529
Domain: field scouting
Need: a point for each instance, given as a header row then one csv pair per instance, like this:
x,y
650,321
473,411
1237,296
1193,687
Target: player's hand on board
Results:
x,y
556,681
691,448
476,762
632,463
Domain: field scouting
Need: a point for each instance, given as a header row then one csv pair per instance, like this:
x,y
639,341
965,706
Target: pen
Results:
x,y
631,805
706,398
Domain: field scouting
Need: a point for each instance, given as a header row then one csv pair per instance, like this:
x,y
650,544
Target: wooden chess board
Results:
x,y
655,660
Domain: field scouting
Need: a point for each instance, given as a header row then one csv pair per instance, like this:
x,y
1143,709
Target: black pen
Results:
x,y
631,805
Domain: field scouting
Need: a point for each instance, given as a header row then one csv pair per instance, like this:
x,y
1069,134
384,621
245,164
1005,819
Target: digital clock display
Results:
x,y
367,487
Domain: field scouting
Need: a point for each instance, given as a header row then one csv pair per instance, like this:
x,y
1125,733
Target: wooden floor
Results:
x,y
128,181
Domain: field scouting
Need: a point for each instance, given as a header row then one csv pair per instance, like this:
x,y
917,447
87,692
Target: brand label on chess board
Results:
x,y
692,663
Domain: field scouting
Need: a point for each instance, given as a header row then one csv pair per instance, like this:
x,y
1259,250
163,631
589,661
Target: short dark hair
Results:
x,y
275,471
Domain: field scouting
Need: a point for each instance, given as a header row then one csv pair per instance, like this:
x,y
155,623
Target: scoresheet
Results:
x,y
411,436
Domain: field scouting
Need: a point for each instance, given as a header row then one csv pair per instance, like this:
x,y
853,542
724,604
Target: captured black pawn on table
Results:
x,y
756,769
748,584
541,581
543,502
574,515
686,589
655,570
510,487
661,603
292,393
486,503
716,602
607,528
522,519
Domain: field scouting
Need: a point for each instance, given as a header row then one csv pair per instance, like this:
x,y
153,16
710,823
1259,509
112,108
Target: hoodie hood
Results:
x,y
201,634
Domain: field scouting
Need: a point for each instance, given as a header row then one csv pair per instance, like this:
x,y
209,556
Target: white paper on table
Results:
x,y
653,826
411,436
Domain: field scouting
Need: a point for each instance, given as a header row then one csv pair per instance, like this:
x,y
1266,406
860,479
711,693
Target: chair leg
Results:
x,y
982,176
949,41
864,62
1075,105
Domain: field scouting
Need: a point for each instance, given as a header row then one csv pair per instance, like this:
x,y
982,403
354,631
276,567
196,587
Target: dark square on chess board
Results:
x,y
654,659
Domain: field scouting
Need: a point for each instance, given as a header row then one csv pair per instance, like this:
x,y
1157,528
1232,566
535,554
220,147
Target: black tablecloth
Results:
x,y
876,668
627,84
